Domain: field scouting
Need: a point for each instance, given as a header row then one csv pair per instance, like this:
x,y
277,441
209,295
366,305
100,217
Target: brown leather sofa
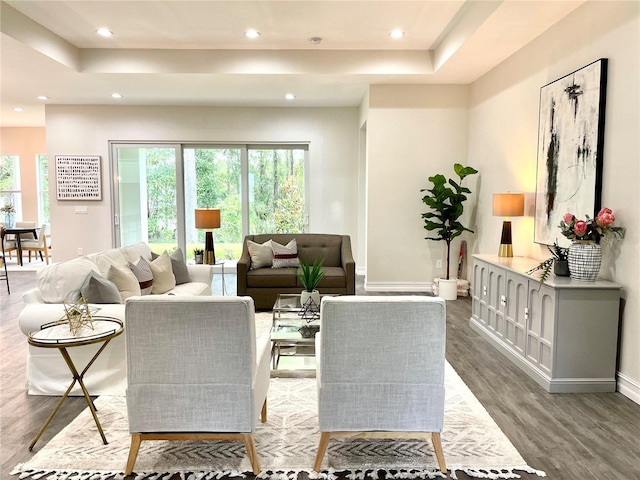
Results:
x,y
264,284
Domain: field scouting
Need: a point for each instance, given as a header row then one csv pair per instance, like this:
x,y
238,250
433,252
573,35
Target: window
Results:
x,y
10,193
42,169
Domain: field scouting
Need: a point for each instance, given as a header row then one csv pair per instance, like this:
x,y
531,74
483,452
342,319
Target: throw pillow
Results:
x,y
285,256
97,289
179,267
261,254
163,277
142,271
125,281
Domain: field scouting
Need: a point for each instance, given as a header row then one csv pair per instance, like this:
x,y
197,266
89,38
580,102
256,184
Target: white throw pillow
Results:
x,y
61,282
163,277
261,254
285,256
125,280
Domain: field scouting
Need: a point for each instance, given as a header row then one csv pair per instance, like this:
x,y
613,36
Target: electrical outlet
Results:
x,y
438,263
79,250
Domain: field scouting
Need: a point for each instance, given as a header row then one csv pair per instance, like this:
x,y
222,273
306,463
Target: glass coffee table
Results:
x,y
293,336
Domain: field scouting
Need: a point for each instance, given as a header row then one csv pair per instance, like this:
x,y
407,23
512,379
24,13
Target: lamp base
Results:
x,y
505,250
209,252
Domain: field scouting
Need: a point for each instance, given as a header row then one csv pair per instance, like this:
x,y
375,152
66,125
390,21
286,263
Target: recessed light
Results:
x,y
251,33
42,97
18,109
289,96
397,33
104,32
116,95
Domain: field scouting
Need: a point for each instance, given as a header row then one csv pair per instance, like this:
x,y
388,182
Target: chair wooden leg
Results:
x,y
251,452
136,438
46,255
322,448
263,413
437,447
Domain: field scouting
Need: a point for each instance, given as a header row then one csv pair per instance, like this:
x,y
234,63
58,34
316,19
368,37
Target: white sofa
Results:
x,y
47,373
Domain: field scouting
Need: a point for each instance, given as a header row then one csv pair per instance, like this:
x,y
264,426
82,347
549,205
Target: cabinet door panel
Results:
x,y
480,291
496,301
515,321
540,330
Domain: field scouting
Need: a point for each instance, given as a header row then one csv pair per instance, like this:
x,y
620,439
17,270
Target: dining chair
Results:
x,y
4,276
37,245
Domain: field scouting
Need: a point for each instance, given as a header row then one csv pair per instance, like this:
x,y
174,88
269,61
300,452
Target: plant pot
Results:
x,y
199,258
561,268
315,296
584,260
448,289
309,331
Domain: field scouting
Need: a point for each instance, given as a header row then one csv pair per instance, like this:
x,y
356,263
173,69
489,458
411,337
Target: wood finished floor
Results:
x,y
570,436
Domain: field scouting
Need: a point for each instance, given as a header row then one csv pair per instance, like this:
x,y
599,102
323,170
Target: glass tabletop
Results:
x,y
58,333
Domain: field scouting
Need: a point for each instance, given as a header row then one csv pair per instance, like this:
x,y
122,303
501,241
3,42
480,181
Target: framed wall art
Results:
x,y
78,177
570,146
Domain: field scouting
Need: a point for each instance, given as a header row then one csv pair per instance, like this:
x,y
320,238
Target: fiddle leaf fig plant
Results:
x,y
445,200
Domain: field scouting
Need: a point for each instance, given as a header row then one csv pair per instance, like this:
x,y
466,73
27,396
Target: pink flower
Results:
x,y
605,217
580,228
568,218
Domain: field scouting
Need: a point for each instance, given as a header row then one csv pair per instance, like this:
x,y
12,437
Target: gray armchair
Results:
x,y
380,369
195,371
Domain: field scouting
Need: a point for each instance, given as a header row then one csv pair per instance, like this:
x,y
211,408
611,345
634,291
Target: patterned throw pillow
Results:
x,y
285,256
142,270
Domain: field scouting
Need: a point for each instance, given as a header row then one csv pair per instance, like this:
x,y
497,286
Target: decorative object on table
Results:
x,y
446,204
570,146
9,211
559,260
585,253
310,310
78,178
78,315
198,255
208,219
310,276
507,205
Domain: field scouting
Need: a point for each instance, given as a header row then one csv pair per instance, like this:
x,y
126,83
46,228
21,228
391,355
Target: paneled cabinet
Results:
x,y
563,333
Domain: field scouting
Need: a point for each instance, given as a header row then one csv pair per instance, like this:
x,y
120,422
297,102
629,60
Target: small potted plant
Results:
x,y
559,260
310,276
446,204
198,255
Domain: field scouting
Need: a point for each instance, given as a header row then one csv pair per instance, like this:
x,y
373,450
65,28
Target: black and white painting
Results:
x,y
570,143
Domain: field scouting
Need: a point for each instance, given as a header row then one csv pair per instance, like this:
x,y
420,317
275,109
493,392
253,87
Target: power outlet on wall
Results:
x,y
439,263
79,250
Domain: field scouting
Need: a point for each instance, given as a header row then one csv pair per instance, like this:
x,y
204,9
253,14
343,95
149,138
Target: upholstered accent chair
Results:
x,y
195,371
380,369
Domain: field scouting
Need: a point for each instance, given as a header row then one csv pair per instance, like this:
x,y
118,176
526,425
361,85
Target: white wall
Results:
x,y
413,132
503,142
332,134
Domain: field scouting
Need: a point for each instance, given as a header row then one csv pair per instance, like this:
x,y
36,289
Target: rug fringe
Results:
x,y
329,474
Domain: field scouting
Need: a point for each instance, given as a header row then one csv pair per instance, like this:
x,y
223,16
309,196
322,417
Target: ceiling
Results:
x,y
183,52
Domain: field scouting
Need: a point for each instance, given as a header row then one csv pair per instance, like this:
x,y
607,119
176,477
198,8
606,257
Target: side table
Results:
x,y
58,335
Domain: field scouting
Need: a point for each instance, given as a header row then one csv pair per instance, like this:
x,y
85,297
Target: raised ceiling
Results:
x,y
183,52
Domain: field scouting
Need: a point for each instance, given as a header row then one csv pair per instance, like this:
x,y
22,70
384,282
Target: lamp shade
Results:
x,y
207,218
508,204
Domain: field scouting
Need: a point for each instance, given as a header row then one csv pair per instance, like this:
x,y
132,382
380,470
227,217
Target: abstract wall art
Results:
x,y
570,146
78,178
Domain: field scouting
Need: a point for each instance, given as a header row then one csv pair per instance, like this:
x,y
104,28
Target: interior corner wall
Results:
x,y
27,143
332,134
413,132
503,129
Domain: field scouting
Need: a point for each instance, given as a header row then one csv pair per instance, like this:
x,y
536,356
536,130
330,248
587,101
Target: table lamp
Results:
x,y
507,205
208,219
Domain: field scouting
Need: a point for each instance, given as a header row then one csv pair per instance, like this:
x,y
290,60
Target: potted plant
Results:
x,y
198,255
9,210
445,199
310,276
559,260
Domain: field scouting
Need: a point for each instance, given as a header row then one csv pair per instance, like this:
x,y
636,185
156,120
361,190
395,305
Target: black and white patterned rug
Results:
x,y
286,445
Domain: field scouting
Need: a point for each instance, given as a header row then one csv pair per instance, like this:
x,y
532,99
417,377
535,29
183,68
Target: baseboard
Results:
x,y
425,287
629,388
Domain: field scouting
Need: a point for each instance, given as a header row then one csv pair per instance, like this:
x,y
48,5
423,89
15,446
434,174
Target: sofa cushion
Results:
x,y
261,254
334,277
97,289
163,277
271,277
285,256
142,270
125,280
191,288
104,260
137,250
61,282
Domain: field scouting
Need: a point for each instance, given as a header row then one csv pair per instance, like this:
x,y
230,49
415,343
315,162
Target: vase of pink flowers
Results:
x,y
585,253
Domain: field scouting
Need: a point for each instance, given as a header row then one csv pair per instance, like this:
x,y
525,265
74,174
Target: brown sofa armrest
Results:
x,y
349,264
241,270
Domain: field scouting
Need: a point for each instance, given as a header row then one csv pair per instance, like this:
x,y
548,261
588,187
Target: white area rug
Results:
x,y
286,445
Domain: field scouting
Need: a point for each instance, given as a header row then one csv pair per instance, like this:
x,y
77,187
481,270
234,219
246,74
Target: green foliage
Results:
x,y
309,276
289,214
445,199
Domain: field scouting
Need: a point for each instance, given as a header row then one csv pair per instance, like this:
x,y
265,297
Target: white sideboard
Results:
x,y
563,333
